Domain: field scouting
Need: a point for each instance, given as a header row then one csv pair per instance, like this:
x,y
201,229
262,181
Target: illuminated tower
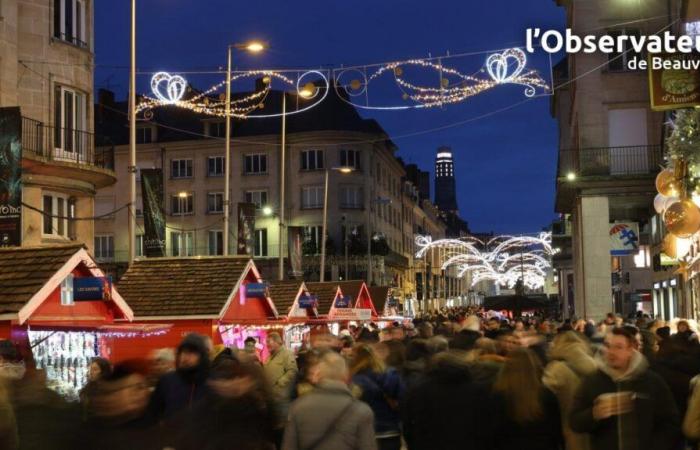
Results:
x,y
445,191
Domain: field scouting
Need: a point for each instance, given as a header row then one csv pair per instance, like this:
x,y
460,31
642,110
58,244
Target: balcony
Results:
x,y
610,161
68,153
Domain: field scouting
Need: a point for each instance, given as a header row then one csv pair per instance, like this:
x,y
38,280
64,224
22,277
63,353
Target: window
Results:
x,y
104,247
351,197
312,160
177,244
181,206
261,242
257,197
313,234
70,122
617,62
643,258
217,129
216,242
139,245
256,163
144,135
67,298
215,202
58,212
350,158
181,168
312,197
69,21
216,166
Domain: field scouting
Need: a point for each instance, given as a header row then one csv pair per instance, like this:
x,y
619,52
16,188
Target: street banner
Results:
x,y
92,288
673,87
624,238
295,237
246,229
153,212
10,177
351,314
256,290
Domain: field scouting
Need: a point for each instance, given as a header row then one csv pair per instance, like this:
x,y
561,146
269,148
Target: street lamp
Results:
x,y
181,199
344,170
267,211
252,47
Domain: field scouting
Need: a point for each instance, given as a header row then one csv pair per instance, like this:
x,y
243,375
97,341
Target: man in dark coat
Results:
x,y
179,390
624,405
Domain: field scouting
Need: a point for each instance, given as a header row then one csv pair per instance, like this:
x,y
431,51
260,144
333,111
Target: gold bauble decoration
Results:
x,y
355,84
682,219
266,79
675,248
666,183
398,71
445,82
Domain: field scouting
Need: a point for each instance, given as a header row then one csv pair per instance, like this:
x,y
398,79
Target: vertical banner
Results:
x,y
10,177
153,212
295,237
246,229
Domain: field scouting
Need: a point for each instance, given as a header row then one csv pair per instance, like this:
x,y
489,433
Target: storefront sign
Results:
x,y
308,301
92,288
256,290
352,314
624,238
246,229
10,177
674,82
343,302
153,212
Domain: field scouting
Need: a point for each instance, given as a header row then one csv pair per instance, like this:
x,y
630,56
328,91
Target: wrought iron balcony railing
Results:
x,y
610,161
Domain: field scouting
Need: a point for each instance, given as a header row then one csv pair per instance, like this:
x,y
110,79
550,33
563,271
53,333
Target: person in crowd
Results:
x,y
281,370
438,344
181,389
446,411
677,364
417,356
380,389
9,371
116,412
98,369
162,362
237,412
691,421
525,411
250,346
570,361
307,376
684,333
624,405
329,418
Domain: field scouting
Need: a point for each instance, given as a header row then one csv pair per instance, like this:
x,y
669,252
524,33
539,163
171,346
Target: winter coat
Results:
x,y
691,422
445,411
563,375
677,369
653,424
331,419
381,391
541,434
281,371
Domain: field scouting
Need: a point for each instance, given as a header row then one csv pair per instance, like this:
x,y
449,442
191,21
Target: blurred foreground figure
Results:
x,y
329,418
624,405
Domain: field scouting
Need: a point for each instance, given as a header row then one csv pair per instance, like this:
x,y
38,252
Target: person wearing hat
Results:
x,y
180,389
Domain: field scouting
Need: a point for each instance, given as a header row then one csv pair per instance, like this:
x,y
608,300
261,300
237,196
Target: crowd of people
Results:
x,y
453,378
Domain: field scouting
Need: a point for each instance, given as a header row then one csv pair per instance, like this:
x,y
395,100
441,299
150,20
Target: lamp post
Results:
x,y
252,47
181,199
344,169
132,139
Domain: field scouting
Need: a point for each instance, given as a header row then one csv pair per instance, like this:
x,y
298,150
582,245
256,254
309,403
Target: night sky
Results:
x,y
505,163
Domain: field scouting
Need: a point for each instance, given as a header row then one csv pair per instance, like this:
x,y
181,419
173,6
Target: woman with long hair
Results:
x,y
526,412
380,388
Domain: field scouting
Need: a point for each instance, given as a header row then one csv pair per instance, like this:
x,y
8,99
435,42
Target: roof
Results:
x,y
283,295
379,296
181,286
325,292
25,270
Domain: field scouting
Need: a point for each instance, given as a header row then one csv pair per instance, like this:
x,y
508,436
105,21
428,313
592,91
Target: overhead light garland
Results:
x,y
507,67
503,259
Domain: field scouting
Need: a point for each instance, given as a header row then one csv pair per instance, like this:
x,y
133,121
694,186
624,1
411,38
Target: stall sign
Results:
x,y
343,302
256,290
352,314
92,288
308,301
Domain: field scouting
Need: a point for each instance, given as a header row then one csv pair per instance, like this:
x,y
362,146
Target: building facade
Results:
x,y
46,69
445,187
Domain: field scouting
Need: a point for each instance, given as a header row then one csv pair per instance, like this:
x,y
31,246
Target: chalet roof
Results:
x,y
379,296
283,294
325,292
181,286
25,270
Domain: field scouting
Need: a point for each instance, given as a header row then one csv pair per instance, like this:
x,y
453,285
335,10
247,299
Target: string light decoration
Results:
x,y
503,260
506,67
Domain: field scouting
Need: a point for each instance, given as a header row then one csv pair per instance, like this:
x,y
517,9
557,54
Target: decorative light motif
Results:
x,y
503,259
168,88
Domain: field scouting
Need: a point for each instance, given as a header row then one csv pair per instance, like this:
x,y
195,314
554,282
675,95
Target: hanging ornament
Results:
x,y
682,219
669,201
676,248
666,183
660,203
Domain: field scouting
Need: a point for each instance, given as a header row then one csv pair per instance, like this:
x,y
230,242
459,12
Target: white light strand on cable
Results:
x,y
503,260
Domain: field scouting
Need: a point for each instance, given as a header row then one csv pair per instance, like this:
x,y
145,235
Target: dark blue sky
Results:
x,y
505,163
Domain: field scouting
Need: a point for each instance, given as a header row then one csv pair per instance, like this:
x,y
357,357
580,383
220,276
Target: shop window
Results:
x,y
69,22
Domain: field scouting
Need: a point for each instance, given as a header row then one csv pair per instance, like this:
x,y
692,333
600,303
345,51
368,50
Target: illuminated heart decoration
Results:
x,y
499,65
168,88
